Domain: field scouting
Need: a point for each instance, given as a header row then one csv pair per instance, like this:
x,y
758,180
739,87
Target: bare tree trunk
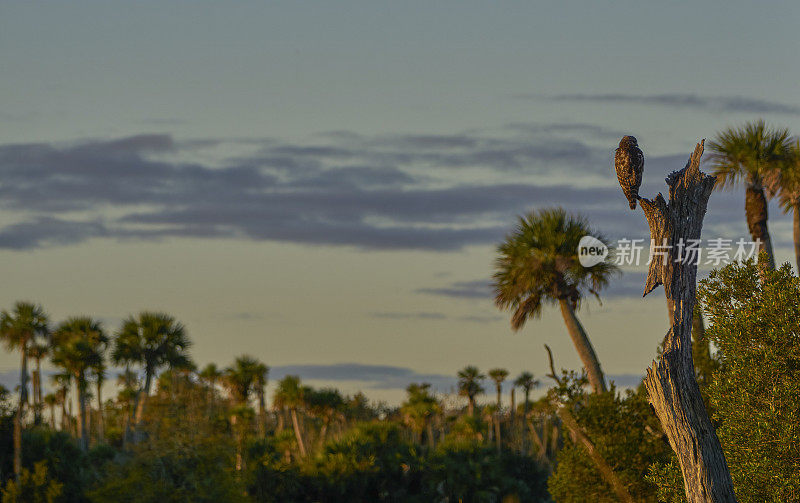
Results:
x,y
670,382
584,347
755,207
298,433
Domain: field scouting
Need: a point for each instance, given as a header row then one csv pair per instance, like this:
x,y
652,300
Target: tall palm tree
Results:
x,y
746,155
538,263
99,372
240,381
498,376
291,394
469,386
153,341
37,351
128,386
261,372
79,345
526,381
785,181
63,382
19,328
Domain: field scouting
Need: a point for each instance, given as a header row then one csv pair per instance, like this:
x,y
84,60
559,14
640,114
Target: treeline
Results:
x,y
176,432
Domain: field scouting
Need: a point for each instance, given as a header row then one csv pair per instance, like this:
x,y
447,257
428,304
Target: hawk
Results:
x,y
629,163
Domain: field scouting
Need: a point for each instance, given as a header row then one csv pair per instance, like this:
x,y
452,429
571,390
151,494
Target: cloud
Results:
x,y
373,376
380,192
737,104
419,315
477,289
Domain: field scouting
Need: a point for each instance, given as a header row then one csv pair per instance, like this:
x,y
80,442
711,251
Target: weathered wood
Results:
x,y
671,384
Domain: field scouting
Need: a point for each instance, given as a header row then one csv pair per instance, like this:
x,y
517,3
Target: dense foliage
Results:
x,y
754,316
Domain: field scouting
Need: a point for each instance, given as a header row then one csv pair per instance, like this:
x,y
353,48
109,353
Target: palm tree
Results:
x,y
51,400
210,375
324,404
261,372
239,378
63,382
538,264
785,181
747,155
18,329
291,394
37,351
418,411
152,341
526,381
128,385
469,386
498,376
240,381
99,373
79,345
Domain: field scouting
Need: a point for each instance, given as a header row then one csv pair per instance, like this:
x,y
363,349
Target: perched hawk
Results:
x,y
629,162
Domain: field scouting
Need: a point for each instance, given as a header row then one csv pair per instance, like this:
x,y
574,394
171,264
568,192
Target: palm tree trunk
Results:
x,y
796,230
471,406
583,346
755,207
101,427
281,419
297,433
37,394
499,397
64,412
82,433
53,416
527,400
23,399
497,433
431,440
262,413
141,397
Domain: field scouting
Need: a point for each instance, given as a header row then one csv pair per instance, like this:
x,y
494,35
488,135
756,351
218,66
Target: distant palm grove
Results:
x,y
174,432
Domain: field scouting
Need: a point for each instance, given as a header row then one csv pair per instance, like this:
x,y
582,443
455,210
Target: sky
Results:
x,y
323,184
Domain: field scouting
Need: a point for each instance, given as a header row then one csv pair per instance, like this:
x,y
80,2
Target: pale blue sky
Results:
x,y
322,182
